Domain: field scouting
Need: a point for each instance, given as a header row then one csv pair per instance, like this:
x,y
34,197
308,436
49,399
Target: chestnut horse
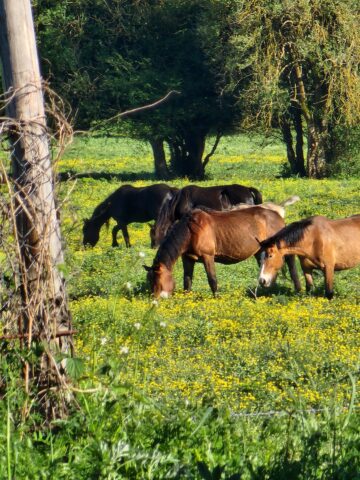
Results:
x,y
219,197
211,236
320,243
126,205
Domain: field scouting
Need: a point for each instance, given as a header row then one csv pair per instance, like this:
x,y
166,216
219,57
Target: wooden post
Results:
x,y
44,310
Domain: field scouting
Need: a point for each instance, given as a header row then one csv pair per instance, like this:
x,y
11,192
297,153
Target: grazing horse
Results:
x,y
126,205
192,196
213,236
320,243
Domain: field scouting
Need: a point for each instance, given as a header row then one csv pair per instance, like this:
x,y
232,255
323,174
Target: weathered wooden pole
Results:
x,y
44,305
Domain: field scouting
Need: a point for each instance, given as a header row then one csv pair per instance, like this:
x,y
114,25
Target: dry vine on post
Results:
x,y
34,310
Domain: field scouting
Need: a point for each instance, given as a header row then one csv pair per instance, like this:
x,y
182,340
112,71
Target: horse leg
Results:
x,y
188,266
329,281
125,235
290,260
307,269
209,265
114,234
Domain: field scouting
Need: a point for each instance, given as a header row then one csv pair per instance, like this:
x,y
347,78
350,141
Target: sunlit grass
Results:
x,y
235,350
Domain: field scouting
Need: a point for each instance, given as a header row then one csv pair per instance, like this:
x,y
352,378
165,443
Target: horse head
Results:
x,y
90,233
161,281
273,260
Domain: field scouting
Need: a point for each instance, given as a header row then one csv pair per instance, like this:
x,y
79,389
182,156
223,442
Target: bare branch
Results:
x,y
145,107
211,153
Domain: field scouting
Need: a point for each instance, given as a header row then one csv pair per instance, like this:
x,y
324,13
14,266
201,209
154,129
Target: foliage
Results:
x,y
129,54
262,64
298,57
232,387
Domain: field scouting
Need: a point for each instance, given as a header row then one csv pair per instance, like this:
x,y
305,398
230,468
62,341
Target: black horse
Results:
x,y
217,198
126,205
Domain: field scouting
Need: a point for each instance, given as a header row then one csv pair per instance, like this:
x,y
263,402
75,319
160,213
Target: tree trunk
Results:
x,y
45,315
195,146
161,168
316,155
299,167
186,154
288,140
316,161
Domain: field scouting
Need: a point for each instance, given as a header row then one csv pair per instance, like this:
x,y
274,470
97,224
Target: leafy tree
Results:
x,y
296,65
105,57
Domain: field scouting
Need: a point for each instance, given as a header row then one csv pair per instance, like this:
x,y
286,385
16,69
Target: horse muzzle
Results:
x,y
265,280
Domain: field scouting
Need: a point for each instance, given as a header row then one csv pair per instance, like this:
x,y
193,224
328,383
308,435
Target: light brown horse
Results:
x,y
211,236
320,243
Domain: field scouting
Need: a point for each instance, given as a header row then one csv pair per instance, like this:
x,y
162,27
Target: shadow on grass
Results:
x,y
121,177
281,291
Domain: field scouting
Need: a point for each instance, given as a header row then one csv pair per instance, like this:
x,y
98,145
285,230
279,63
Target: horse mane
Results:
x,y
291,234
166,215
170,248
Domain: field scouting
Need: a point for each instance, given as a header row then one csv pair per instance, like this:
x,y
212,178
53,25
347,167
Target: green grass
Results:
x,y
195,387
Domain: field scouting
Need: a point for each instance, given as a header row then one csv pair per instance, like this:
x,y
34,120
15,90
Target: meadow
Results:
x,y
252,384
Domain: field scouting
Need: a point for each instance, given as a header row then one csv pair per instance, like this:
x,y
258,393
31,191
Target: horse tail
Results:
x,y
256,195
166,216
225,201
290,200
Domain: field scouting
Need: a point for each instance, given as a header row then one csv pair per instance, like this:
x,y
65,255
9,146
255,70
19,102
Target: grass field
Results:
x,y
196,386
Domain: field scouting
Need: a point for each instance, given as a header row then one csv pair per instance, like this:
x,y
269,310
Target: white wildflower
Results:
x,y
137,325
103,341
141,254
162,324
155,302
124,350
128,285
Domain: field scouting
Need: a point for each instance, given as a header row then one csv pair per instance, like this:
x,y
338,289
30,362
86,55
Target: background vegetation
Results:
x,y
195,387
253,384
267,65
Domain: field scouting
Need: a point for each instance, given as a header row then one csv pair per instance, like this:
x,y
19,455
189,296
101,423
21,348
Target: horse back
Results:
x,y
131,204
233,235
240,194
333,241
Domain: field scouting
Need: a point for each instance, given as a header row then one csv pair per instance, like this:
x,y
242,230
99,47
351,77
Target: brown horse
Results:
x,y
220,197
320,243
211,236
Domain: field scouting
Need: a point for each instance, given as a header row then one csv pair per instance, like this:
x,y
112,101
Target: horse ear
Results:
x,y
147,268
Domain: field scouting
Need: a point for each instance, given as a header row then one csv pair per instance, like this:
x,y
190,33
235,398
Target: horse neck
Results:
x,y
175,244
166,216
297,249
101,215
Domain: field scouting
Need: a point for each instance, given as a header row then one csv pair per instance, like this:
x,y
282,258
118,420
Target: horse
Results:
x,y
320,243
126,205
276,207
192,196
213,236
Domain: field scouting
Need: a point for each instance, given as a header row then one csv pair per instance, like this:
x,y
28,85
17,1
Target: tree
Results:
x,y
297,65
104,60
44,315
